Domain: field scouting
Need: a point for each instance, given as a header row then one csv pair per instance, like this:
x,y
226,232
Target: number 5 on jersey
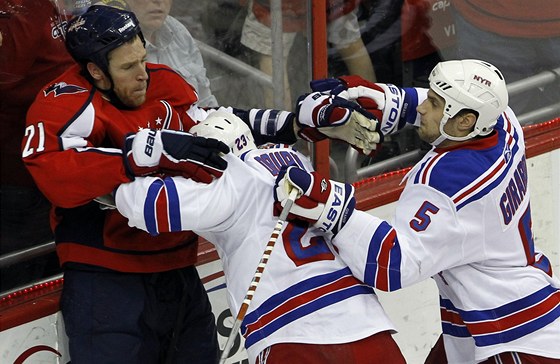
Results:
x,y
422,219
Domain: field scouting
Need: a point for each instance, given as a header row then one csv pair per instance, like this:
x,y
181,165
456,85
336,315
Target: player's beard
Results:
x,y
427,134
136,101
134,98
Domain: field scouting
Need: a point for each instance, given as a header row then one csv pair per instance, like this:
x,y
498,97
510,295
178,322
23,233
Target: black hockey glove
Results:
x,y
174,153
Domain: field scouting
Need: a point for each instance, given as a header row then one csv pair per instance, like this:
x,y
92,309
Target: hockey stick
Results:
x,y
258,274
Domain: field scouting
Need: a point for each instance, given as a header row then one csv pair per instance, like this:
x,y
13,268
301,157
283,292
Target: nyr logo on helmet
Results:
x,y
62,88
482,80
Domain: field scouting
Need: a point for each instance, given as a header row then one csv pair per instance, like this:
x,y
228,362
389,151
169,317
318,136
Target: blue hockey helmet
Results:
x,y
91,36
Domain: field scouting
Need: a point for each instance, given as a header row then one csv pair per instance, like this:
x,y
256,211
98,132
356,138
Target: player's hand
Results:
x,y
324,203
385,101
174,153
359,131
321,115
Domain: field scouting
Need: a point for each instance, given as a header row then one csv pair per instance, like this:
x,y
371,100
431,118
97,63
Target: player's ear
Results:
x,y
466,121
99,77
95,72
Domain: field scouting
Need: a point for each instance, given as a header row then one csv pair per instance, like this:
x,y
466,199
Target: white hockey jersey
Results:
x,y
464,218
307,294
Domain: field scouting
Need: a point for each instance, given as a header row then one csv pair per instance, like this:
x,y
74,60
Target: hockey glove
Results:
x,y
321,115
390,104
324,203
174,153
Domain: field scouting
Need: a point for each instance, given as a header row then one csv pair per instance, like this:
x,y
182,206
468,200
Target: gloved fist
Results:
x,y
387,102
326,204
174,153
359,131
321,115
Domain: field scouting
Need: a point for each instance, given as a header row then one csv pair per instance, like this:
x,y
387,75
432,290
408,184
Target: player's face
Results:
x,y
150,13
431,111
127,66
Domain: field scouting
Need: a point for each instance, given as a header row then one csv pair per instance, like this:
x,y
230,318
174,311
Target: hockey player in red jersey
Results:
x,y
130,297
463,218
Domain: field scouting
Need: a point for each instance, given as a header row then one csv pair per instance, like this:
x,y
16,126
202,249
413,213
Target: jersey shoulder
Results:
x,y
451,171
166,83
69,91
273,157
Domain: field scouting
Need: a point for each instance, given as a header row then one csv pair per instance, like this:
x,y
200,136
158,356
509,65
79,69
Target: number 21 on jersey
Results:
x,y
30,132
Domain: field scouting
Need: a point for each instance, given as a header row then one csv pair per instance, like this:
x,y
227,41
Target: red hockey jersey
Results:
x,y
72,147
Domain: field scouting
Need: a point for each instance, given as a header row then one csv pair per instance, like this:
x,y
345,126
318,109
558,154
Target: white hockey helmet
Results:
x,y
470,84
228,128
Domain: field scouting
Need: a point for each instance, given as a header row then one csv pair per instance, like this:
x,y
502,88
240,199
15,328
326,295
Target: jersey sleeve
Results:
x,y
171,204
267,125
58,150
414,97
425,238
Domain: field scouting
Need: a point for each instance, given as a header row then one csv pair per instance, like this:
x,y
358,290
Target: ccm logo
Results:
x,y
149,148
482,80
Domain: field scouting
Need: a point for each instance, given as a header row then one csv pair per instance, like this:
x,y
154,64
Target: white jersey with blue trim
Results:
x,y
307,294
464,218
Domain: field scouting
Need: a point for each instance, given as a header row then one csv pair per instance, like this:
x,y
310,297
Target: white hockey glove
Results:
x,y
174,153
390,104
358,132
326,204
321,115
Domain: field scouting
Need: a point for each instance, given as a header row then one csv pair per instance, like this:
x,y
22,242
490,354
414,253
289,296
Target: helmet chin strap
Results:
x,y
112,96
445,136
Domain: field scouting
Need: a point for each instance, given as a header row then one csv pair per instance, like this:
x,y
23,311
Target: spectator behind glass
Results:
x,y
31,54
380,25
343,33
169,42
522,38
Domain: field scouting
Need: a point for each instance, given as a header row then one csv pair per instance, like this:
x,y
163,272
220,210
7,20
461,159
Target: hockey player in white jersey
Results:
x,y
464,218
308,307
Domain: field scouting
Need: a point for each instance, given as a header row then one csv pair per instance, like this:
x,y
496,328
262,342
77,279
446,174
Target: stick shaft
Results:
x,y
258,273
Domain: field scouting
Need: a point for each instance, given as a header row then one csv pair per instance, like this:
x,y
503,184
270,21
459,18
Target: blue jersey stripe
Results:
x,y
507,309
149,206
519,331
454,330
395,282
503,312
298,289
173,205
304,310
370,272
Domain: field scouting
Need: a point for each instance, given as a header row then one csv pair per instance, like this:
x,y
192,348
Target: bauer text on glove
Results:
x,y
174,153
